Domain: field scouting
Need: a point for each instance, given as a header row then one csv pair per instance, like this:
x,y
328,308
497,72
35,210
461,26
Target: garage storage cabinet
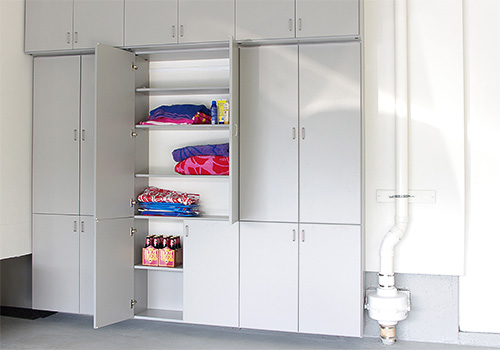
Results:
x,y
290,207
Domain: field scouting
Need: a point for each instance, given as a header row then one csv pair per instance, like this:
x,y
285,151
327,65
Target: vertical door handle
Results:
x,y
182,30
76,37
75,228
83,134
300,23
303,133
68,37
303,235
75,134
173,31
186,232
293,235
290,24
82,227
293,133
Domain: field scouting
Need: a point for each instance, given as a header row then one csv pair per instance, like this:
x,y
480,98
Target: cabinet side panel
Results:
x,y
56,101
269,135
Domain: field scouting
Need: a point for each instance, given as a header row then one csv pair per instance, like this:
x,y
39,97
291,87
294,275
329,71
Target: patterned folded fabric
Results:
x,y
202,150
203,165
177,114
168,209
155,194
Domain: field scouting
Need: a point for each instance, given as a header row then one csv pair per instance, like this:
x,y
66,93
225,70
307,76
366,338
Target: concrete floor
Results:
x,y
64,331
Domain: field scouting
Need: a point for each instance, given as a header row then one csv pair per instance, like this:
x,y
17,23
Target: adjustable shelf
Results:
x,y
184,127
159,268
183,91
181,218
180,176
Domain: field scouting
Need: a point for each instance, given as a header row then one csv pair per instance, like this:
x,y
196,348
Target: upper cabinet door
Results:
x,y
115,151
150,22
265,19
330,133
205,20
56,115
98,21
269,133
327,18
49,25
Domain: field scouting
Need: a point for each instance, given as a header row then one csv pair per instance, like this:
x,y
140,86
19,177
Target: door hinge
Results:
x,y
133,134
133,231
132,202
132,303
134,66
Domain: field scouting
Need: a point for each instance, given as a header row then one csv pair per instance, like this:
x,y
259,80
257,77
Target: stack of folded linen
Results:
x,y
160,202
202,159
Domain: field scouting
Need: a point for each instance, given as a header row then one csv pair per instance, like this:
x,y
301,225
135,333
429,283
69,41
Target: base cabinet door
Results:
x,y
330,275
268,276
56,263
211,272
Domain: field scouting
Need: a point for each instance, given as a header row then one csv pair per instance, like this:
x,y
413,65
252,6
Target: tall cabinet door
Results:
x,y
87,239
205,20
56,263
265,19
150,22
269,133
56,118
97,22
268,276
330,275
327,18
330,132
234,150
49,24
211,273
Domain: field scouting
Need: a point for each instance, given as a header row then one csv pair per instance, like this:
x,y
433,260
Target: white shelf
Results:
x,y
181,218
184,91
184,127
159,268
160,315
180,176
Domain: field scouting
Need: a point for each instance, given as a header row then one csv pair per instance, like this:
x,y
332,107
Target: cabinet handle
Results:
x,y
303,236
75,134
303,133
83,134
82,227
173,31
76,37
182,30
290,24
186,232
300,23
75,228
294,133
68,37
235,130
293,235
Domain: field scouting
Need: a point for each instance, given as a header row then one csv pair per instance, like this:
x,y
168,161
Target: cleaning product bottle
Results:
x,y
213,112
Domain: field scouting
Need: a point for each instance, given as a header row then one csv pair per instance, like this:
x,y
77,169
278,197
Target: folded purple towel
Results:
x,y
202,150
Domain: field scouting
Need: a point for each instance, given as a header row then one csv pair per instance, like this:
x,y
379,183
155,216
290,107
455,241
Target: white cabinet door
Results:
x,y
265,19
330,133
327,18
56,101
211,273
330,275
234,149
269,133
205,20
87,132
97,21
86,229
49,25
115,152
113,271
150,22
56,263
268,276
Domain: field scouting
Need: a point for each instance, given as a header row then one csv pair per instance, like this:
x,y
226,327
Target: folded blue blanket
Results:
x,y
202,150
178,111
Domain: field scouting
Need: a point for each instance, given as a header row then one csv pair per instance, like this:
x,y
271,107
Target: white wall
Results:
x,y
480,287
434,243
15,133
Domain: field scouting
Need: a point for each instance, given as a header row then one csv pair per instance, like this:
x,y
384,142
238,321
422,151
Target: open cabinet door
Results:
x,y
114,185
234,118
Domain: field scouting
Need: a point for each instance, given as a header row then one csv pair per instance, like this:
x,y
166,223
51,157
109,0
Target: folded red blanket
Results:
x,y
158,195
203,165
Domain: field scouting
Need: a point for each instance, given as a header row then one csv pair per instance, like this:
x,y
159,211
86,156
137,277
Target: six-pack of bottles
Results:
x,y
165,251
